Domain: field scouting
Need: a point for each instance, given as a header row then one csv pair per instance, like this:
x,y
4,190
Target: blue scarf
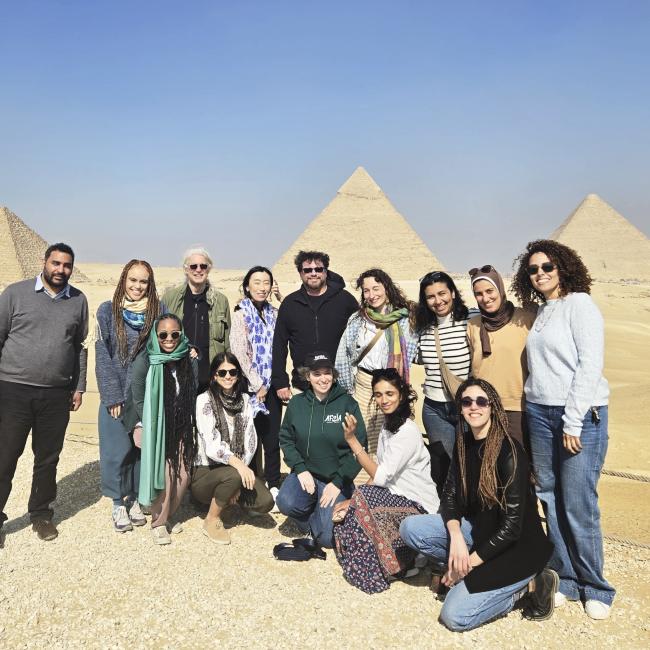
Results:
x,y
260,337
133,319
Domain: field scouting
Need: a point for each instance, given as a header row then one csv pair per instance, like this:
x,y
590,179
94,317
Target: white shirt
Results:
x,y
377,356
404,466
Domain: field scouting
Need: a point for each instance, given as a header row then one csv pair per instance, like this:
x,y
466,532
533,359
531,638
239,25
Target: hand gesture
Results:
x,y
247,476
349,427
194,353
329,496
284,394
572,444
459,565
275,291
306,481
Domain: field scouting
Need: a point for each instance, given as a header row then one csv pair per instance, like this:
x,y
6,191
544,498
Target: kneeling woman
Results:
x,y
160,410
311,437
488,532
368,545
227,441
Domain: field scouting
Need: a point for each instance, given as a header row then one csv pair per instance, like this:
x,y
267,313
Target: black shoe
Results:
x,y
541,602
45,529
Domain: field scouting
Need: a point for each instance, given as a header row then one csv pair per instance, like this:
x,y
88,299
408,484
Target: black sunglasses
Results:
x,y
312,269
481,402
484,269
203,267
547,267
233,372
173,335
434,276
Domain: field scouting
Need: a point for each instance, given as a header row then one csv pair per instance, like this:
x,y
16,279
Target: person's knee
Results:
x,y
454,620
264,502
324,538
406,531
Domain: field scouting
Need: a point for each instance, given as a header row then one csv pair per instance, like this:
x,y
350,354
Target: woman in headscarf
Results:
x,y
123,327
161,412
378,335
497,340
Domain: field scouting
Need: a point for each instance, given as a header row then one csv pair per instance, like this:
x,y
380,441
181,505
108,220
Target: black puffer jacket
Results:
x,y
511,542
306,329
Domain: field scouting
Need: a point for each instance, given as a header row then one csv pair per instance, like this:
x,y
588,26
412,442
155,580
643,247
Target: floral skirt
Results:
x,y
367,543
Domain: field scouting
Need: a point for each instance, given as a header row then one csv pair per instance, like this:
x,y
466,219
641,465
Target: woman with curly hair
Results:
x,y
378,335
368,545
566,403
160,410
123,326
488,538
441,324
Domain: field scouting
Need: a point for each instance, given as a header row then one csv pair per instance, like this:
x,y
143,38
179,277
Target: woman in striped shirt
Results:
x,y
441,306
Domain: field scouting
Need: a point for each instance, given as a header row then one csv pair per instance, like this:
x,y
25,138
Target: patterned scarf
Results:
x,y
259,330
221,404
134,312
397,346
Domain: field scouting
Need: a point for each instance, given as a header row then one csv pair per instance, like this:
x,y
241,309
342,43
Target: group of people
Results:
x,y
191,398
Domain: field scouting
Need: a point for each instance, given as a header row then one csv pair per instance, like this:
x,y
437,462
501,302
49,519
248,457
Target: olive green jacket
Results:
x,y
219,315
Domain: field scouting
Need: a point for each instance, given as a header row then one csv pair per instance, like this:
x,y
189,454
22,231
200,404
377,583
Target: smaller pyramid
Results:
x,y
610,246
22,250
360,229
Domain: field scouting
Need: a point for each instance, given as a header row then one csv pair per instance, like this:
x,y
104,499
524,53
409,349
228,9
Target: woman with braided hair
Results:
x,y
123,326
487,537
160,411
227,441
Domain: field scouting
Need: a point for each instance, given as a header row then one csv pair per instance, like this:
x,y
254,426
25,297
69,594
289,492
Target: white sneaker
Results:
x,y
136,515
175,529
597,610
121,521
560,599
274,492
160,535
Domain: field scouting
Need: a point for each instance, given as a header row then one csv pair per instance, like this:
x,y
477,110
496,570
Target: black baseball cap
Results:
x,y
318,360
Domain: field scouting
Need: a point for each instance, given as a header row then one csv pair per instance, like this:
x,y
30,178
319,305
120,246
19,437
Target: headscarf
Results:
x,y
503,315
153,458
397,346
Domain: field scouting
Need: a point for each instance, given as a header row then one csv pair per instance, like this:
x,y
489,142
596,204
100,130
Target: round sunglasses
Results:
x,y
233,372
481,402
173,335
547,267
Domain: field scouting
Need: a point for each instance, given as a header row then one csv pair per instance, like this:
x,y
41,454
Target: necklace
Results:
x,y
544,314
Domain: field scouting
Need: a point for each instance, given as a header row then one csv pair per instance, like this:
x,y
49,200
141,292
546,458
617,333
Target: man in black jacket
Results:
x,y
312,318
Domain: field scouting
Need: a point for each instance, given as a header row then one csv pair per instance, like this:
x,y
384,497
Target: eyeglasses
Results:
x,y
233,372
547,267
484,269
434,276
312,269
173,335
481,402
203,267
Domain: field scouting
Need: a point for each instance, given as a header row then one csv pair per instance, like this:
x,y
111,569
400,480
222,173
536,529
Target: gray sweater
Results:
x,y
41,339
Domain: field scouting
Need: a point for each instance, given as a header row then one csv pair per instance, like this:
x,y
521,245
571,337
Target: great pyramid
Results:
x,y
610,246
22,250
360,229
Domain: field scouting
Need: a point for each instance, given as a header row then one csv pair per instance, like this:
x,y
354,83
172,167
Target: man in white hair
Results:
x,y
205,312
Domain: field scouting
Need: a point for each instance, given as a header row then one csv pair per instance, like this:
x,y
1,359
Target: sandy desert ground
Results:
x,y
95,588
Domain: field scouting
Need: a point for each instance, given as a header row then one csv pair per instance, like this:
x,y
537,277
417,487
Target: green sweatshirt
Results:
x,y
312,439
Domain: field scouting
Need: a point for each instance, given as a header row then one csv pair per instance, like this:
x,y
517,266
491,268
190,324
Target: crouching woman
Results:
x,y
322,465
488,533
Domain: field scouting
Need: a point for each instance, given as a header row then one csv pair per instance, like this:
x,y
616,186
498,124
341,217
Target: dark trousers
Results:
x,y
268,434
46,411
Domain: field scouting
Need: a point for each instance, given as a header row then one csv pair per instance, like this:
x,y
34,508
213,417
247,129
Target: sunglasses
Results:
x,y
481,402
547,267
233,372
484,269
173,335
203,267
312,269
434,276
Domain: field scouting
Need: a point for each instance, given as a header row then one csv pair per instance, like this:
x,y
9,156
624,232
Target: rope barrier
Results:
x,y
626,542
632,477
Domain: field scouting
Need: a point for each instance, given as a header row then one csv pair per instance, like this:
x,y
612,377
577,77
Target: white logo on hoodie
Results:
x,y
333,418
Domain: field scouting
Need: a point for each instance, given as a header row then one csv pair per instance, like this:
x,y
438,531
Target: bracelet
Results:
x,y
359,452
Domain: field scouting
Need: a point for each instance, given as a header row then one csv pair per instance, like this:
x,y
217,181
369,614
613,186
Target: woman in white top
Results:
x,y
566,406
368,545
227,441
377,336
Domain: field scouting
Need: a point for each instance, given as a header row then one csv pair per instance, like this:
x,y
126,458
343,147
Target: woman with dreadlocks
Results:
x,y
378,335
227,441
123,326
160,411
487,537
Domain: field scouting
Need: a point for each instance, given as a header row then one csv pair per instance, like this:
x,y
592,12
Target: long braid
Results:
x,y
152,312
488,485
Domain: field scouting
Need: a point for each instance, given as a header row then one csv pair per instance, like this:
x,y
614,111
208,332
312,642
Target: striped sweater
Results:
x,y
455,352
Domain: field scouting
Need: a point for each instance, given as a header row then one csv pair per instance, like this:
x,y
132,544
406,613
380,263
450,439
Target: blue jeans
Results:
x,y
462,610
567,486
306,510
440,424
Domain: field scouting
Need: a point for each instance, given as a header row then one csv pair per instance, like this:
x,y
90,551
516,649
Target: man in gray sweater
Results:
x,y
43,324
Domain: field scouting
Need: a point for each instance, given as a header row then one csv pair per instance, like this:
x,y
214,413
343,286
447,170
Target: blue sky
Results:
x,y
162,124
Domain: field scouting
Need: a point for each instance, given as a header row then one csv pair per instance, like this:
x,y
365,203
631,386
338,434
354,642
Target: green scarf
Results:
x,y
397,345
152,468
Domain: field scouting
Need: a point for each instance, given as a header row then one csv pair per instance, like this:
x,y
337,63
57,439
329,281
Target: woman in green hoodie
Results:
x,y
322,465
